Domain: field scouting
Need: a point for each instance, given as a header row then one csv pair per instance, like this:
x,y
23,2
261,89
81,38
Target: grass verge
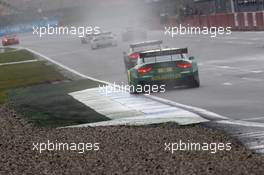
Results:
x,y
10,55
38,92
6,49
51,106
21,75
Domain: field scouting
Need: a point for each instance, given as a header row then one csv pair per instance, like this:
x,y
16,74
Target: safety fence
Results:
x,y
244,21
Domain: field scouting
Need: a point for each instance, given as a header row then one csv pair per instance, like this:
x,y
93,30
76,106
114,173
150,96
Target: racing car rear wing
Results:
x,y
163,52
147,43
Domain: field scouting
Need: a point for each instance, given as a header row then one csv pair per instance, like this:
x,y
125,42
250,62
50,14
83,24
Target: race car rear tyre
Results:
x,y
132,89
194,83
126,64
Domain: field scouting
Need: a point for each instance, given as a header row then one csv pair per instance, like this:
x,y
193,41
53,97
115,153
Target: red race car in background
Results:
x,y
131,58
10,40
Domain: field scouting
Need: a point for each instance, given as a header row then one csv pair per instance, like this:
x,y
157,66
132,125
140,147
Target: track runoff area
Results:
x,y
238,68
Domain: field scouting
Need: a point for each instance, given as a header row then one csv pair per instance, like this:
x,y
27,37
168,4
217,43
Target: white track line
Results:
x,y
227,84
241,123
248,133
66,68
18,62
118,106
256,118
190,108
256,147
258,135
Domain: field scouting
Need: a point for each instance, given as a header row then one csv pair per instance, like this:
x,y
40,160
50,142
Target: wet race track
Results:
x,y
231,68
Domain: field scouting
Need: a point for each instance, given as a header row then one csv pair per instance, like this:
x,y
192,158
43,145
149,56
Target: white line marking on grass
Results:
x,y
18,62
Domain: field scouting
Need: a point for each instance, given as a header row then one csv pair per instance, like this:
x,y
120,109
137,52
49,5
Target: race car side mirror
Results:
x,y
191,58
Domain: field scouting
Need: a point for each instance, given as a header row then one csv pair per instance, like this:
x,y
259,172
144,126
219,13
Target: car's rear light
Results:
x,y
184,65
144,69
133,56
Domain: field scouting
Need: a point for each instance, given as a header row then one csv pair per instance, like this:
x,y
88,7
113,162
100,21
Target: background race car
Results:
x,y
164,66
130,58
10,40
103,40
131,34
87,38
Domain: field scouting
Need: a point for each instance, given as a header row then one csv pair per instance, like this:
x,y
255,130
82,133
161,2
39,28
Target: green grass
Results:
x,y
6,49
31,88
21,75
51,106
10,55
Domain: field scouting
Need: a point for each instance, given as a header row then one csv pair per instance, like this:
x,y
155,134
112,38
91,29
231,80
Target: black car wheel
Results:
x,y
194,83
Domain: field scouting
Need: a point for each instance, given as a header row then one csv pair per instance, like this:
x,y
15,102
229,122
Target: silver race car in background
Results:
x,y
104,39
87,38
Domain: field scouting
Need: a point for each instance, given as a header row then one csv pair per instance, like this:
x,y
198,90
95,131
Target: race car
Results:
x,y
10,40
131,34
170,65
86,39
103,40
130,58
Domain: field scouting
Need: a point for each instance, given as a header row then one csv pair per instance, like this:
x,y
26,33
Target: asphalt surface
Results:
x,y
231,68
122,150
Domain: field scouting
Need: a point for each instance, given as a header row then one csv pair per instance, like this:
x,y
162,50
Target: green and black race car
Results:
x,y
170,65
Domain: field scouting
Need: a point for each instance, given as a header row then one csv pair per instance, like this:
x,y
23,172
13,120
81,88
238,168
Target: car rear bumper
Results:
x,y
105,44
10,43
185,78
